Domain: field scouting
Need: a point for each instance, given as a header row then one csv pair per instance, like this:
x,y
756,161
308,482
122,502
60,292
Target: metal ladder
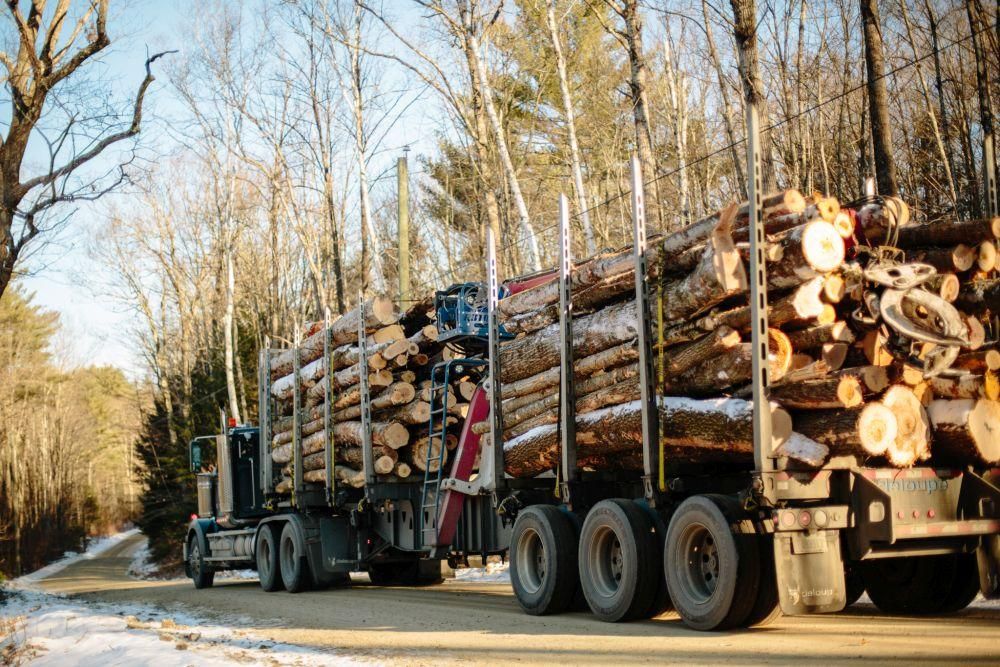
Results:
x,y
430,496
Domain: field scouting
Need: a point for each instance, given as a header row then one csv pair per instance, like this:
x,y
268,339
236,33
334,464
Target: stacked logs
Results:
x,y
837,389
401,349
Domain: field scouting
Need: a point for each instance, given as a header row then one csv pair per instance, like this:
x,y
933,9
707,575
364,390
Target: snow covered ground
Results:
x,y
94,549
38,628
493,573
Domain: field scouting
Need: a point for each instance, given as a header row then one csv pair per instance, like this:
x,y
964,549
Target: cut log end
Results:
x,y
877,428
822,246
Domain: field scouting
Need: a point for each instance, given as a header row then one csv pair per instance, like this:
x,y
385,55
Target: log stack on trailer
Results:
x,y
847,376
401,349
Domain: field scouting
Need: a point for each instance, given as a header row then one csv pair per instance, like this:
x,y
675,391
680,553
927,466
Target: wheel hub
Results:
x,y
700,577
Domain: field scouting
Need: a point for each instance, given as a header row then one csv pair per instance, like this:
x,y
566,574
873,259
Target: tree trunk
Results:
x,y
912,441
472,24
727,107
826,393
638,72
682,358
965,431
607,328
861,431
568,112
745,32
878,105
719,275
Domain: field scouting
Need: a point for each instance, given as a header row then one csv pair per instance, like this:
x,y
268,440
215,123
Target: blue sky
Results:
x,y
63,277
96,328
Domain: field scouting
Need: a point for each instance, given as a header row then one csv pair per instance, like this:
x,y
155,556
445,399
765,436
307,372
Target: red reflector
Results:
x,y
931,514
232,422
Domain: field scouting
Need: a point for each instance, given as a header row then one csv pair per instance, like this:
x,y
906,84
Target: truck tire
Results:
x,y
966,586
909,585
766,607
713,575
543,568
854,583
657,534
617,568
294,569
268,565
202,575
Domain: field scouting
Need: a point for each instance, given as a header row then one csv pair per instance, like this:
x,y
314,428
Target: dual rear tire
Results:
x,y
919,585
609,563
717,567
283,565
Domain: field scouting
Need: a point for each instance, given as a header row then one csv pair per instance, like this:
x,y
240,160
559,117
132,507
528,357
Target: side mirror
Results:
x,y
194,456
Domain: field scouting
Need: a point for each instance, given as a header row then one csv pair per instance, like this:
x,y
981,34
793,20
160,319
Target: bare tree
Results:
x,y
45,59
878,103
745,32
631,39
570,115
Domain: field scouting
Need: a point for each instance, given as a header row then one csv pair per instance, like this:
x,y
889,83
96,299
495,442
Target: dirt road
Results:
x,y
474,621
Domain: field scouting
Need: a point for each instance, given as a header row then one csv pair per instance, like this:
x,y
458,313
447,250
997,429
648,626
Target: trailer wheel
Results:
x,y
657,534
618,568
713,576
909,585
966,586
202,575
766,607
294,569
854,583
543,570
268,567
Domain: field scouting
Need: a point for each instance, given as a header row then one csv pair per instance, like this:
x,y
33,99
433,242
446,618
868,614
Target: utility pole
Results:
x,y
403,224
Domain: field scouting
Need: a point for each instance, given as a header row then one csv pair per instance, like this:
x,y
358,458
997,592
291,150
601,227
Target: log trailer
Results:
x,y
724,547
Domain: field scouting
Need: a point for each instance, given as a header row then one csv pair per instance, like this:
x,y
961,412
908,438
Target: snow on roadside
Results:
x,y
44,629
493,573
94,549
143,567
54,631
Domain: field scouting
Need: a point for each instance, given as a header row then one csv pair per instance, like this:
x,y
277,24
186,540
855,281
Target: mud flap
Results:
x,y
809,572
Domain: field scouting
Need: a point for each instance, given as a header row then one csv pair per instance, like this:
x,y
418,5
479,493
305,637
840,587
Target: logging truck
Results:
x,y
605,427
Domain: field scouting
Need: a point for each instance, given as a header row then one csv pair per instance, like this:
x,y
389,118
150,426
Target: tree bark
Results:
x,y
861,431
965,431
608,328
878,104
570,115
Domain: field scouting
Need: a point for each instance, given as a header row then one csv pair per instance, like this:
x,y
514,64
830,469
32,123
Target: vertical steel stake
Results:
x,y
331,479
403,226
367,456
567,384
496,412
264,417
763,457
647,376
297,482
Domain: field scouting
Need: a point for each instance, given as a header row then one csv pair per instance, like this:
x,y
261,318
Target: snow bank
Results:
x,y
94,549
143,567
54,631
493,573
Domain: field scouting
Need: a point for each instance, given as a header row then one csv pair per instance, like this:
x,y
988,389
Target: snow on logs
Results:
x,y
836,382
